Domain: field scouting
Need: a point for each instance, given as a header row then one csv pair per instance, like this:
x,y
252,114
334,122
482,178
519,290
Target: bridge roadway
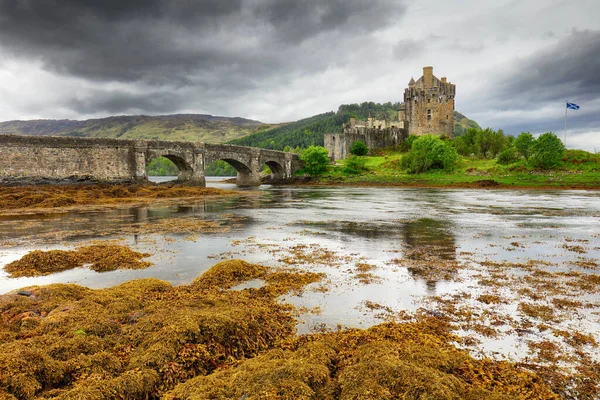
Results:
x,y
111,160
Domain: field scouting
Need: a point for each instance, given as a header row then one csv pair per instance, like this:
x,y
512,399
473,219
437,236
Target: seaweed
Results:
x,y
141,338
100,257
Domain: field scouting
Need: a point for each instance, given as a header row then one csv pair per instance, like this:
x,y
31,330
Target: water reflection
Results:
x,y
431,242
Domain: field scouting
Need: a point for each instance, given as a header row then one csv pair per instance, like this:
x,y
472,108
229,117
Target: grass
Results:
x,y
577,170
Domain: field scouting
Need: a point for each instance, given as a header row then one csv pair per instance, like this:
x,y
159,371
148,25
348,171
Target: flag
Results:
x,y
572,106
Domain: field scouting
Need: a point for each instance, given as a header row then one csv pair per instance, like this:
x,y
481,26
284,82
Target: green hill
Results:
x,y
462,123
184,127
310,131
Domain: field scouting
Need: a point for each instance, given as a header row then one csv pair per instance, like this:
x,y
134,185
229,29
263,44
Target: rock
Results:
x,y
24,293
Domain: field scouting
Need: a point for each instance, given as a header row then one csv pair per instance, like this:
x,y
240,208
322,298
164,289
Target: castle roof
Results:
x,y
412,81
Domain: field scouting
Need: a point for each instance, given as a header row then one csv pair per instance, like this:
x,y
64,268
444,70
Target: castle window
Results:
x,y
429,100
446,116
429,115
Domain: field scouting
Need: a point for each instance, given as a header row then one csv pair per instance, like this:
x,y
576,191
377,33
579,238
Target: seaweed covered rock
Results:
x,y
135,340
100,257
414,360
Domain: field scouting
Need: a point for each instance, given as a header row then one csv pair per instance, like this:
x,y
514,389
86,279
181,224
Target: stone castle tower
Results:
x,y
428,108
429,105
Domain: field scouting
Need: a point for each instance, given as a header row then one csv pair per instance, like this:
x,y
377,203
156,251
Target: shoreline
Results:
x,y
479,184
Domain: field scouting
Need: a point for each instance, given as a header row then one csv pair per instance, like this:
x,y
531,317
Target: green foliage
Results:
x,y
316,160
355,165
162,166
359,148
465,144
547,151
407,145
508,156
429,152
524,143
220,168
488,143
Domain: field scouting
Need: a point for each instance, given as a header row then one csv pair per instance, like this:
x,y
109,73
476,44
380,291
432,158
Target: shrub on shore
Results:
x,y
429,152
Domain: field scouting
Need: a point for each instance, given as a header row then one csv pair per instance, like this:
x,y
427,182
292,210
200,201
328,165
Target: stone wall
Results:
x,y
339,144
60,158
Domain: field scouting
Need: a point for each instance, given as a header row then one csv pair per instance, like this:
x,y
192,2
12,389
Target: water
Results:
x,y
357,225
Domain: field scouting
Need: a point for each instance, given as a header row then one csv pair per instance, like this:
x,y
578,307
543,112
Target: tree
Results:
x,y
316,160
429,152
483,142
359,148
547,151
497,143
465,144
524,143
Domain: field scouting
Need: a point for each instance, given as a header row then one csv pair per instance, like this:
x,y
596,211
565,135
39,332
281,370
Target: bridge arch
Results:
x,y
182,163
277,170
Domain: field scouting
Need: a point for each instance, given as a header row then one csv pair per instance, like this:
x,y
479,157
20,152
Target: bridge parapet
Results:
x,y
59,158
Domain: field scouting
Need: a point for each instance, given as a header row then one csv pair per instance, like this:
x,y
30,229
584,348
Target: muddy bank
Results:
x,y
56,198
148,339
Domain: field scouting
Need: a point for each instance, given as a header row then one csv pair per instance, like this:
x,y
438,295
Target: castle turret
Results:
x,y
427,77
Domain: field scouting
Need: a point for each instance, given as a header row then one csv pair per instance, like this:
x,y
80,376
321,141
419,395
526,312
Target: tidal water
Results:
x,y
355,225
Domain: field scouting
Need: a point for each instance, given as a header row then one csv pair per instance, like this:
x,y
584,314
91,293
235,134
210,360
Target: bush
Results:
x,y
316,160
429,152
355,165
359,148
406,144
547,151
508,156
524,143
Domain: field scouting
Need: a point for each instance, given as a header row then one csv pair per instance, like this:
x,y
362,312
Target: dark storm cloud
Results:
x,y
160,41
567,70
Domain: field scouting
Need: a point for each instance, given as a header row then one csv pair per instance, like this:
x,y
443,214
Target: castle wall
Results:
x,y
339,144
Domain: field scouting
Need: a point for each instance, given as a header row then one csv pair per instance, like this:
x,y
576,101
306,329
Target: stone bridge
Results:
x,y
113,160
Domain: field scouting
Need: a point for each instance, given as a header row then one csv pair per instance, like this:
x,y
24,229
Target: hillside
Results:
x,y
184,127
310,131
462,123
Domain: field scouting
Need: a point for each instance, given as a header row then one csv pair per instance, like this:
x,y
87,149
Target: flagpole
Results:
x,y
566,109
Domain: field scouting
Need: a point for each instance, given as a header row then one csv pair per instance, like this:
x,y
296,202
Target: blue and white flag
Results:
x,y
572,106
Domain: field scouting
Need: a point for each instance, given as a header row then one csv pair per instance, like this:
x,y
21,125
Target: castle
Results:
x,y
428,108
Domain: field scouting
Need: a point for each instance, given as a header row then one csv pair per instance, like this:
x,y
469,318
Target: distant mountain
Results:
x,y
310,131
183,127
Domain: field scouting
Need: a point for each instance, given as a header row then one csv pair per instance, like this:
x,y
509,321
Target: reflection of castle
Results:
x,y
428,108
429,251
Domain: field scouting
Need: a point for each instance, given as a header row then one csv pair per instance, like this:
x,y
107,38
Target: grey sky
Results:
x,y
514,62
